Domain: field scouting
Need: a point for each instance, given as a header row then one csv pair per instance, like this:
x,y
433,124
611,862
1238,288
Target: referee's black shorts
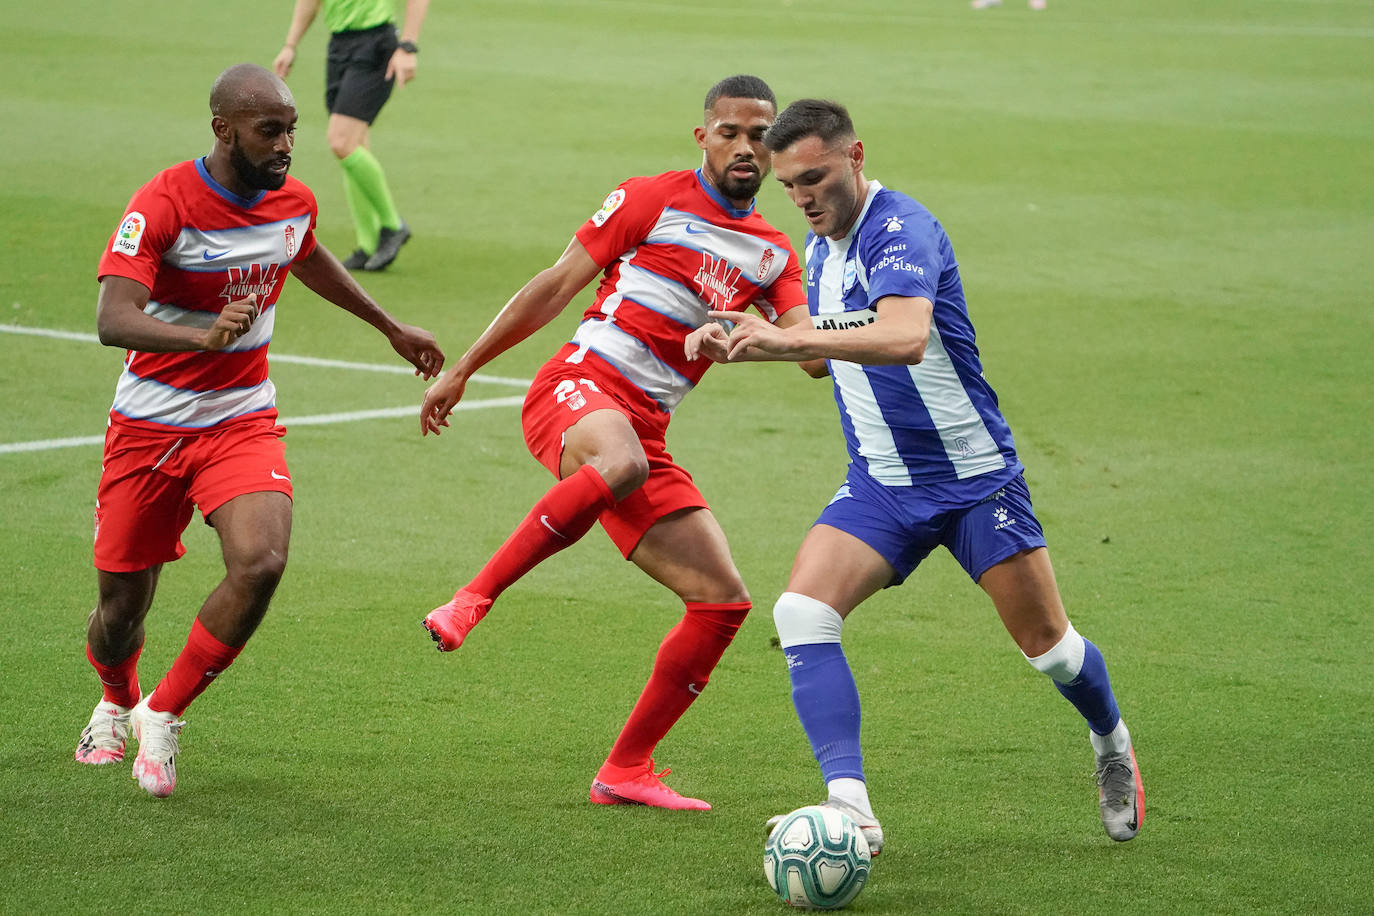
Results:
x,y
355,82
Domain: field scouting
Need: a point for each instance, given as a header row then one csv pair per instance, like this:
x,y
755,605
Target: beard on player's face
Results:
x,y
257,174
737,187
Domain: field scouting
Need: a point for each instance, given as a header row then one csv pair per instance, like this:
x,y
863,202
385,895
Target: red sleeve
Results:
x,y
148,228
309,242
625,219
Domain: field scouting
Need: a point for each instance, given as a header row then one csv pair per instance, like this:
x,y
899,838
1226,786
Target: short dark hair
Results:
x,y
742,86
809,118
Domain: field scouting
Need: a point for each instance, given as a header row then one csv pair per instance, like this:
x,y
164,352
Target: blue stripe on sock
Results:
x,y
827,702
1091,692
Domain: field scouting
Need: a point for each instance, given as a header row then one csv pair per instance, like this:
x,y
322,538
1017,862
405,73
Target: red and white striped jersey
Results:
x,y
674,248
198,246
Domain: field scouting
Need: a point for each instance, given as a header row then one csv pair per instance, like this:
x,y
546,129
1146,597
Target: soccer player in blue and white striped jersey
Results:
x,y
932,461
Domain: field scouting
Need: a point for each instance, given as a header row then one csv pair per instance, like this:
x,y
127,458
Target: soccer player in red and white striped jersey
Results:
x,y
189,286
669,248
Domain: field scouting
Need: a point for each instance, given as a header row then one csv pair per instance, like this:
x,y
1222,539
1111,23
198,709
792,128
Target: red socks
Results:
x,y
199,663
121,680
683,667
562,515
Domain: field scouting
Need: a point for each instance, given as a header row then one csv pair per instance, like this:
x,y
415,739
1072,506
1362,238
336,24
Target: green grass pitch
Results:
x,y
1164,213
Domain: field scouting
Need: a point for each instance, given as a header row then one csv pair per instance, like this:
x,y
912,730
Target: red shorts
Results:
x,y
563,393
149,483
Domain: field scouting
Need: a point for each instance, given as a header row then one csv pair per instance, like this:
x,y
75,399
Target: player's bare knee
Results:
x,y
260,572
1040,640
714,586
624,474
341,145
123,603
117,623
730,593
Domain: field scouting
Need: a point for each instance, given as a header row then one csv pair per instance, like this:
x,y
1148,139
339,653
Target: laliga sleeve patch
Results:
x,y
609,205
130,234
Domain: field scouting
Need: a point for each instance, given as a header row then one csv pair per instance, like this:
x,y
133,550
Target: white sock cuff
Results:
x,y
1065,660
802,620
1117,742
851,791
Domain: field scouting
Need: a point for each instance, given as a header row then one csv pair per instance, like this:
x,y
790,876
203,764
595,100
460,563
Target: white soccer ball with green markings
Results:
x,y
817,858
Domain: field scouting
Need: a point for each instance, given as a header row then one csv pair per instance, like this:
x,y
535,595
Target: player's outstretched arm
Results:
x,y
754,340
712,341
322,273
536,304
121,322
897,336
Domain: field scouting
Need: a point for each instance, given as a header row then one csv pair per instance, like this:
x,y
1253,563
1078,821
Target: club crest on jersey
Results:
x,y
717,282
257,278
130,234
851,276
765,262
290,234
608,206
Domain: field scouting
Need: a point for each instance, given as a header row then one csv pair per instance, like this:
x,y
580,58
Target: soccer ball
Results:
x,y
816,858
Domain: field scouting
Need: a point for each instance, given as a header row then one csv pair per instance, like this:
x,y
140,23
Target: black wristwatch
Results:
x,y
409,47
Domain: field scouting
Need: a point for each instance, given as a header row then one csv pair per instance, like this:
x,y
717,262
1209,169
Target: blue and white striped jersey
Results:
x,y
931,423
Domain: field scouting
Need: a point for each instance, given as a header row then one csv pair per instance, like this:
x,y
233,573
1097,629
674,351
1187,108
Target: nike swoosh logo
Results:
x,y
276,476
691,231
693,688
544,520
210,257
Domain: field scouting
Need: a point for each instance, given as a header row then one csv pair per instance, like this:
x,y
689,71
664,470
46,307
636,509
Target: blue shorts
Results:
x,y
904,524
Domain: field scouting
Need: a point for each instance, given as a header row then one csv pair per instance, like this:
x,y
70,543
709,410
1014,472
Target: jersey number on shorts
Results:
x,y
566,393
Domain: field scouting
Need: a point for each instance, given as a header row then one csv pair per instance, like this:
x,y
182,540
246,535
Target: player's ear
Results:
x,y
856,156
223,132
700,134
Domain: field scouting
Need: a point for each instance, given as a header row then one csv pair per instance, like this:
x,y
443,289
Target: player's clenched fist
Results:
x,y
233,322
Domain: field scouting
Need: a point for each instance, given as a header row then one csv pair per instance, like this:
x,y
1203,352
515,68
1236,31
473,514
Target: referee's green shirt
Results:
x,y
354,15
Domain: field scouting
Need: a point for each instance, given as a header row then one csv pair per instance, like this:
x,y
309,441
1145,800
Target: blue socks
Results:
x,y
1091,692
1077,669
827,699
827,702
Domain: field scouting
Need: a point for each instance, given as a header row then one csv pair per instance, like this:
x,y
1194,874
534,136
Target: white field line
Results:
x,y
521,383
321,419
